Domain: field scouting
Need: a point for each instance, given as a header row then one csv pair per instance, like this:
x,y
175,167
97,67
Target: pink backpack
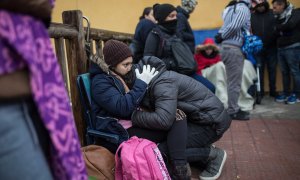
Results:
x,y
140,159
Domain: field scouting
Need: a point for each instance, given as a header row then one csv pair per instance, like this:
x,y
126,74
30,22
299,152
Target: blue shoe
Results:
x,y
281,98
292,99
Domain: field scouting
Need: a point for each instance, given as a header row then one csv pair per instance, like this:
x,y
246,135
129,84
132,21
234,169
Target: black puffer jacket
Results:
x,y
169,91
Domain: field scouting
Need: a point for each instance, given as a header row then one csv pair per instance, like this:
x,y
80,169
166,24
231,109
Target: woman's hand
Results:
x,y
180,115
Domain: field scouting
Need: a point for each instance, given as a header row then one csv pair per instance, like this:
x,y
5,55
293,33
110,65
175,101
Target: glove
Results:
x,y
218,38
147,74
180,115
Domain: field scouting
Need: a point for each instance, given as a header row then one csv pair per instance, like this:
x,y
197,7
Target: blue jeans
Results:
x,y
289,61
21,155
205,82
268,57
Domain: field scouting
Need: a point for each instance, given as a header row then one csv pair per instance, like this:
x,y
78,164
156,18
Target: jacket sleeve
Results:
x,y
110,98
146,31
163,116
240,18
182,23
152,45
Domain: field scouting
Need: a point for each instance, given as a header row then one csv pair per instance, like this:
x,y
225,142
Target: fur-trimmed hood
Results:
x,y
208,43
98,66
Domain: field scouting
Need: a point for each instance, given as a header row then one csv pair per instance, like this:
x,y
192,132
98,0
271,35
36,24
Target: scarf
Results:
x,y
122,80
24,42
286,14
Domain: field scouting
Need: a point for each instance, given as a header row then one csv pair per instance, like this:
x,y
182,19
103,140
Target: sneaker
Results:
x,y
215,165
281,98
292,99
240,115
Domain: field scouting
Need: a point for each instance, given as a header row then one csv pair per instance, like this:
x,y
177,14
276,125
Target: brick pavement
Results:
x,y
265,148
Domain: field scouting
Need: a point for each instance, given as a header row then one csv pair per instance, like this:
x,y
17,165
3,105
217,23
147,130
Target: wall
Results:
x,y
122,15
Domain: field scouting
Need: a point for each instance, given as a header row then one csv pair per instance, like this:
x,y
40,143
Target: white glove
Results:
x,y
147,73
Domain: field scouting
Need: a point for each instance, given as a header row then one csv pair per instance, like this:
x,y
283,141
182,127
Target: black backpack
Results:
x,y
181,59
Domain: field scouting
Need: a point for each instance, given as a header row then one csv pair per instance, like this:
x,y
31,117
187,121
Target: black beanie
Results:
x,y
161,11
115,52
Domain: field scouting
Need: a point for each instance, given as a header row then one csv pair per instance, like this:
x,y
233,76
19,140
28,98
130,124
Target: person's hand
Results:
x,y
218,38
180,115
147,74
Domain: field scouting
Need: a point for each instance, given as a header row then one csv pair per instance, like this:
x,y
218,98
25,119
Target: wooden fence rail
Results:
x,y
69,41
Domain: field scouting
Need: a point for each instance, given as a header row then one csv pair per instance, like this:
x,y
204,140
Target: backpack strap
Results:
x,y
158,33
118,166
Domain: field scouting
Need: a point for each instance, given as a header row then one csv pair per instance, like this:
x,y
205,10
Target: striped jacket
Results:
x,y
236,18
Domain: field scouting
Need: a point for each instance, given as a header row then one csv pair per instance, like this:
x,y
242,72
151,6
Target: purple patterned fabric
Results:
x,y
24,41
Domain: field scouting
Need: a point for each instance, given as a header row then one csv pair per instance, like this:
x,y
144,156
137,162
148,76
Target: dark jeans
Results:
x,y
199,140
289,61
205,82
268,58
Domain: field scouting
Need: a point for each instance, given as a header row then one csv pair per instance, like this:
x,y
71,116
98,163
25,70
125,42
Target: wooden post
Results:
x,y
77,64
61,56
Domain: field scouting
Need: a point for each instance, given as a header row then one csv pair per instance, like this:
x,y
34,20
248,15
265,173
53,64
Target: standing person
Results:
x,y
207,118
263,24
117,91
288,43
184,30
146,24
37,132
236,19
156,45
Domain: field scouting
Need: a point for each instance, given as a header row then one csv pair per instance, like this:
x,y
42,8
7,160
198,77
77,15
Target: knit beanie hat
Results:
x,y
188,5
161,11
115,52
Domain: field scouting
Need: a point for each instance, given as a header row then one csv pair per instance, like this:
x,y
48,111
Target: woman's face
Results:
x,y
150,16
171,16
278,7
208,51
124,67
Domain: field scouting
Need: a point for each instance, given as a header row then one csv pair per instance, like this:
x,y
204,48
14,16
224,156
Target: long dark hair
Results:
x,y
146,11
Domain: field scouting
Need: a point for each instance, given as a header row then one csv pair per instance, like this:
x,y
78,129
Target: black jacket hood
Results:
x,y
153,62
265,4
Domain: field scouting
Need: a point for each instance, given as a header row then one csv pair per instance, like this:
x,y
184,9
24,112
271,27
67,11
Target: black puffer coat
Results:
x,y
169,91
